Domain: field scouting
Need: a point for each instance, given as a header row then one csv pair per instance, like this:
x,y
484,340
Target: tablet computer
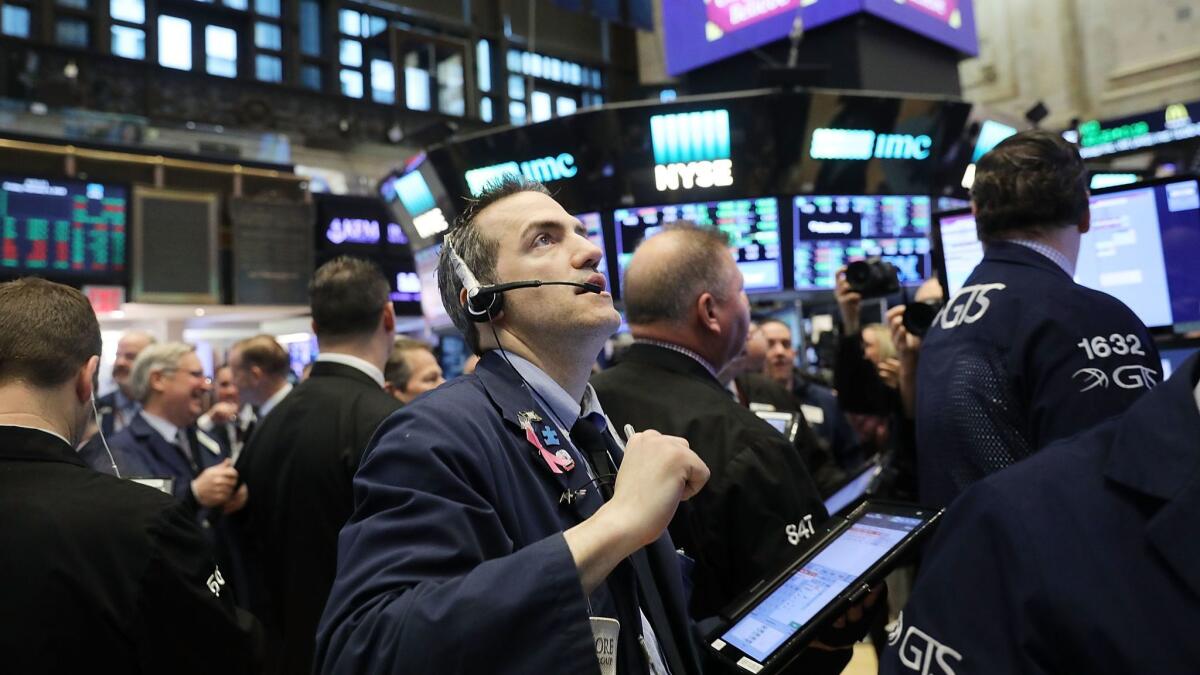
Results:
x,y
856,486
778,621
784,422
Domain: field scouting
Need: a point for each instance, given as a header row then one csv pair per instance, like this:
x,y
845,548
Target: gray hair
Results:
x,y
666,292
156,358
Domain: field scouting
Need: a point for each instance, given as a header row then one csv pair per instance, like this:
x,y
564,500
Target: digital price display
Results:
x,y
63,227
832,231
752,226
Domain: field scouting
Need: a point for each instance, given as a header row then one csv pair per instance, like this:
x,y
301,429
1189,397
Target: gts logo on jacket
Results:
x,y
919,652
967,306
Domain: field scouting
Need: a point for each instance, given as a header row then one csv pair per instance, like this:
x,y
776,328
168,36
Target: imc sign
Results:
x,y
691,150
864,144
541,170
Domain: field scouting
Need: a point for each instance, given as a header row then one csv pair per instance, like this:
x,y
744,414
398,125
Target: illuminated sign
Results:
x,y
542,170
864,144
408,287
416,197
1176,122
691,150
353,231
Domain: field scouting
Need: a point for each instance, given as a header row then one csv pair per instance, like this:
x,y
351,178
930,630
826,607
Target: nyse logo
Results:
x,y
968,305
920,652
691,150
801,530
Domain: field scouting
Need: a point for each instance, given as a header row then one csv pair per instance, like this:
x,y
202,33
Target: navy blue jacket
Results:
x,y
140,451
1021,356
454,560
1082,559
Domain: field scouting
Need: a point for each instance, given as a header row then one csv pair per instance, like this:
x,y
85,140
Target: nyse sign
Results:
x,y
702,174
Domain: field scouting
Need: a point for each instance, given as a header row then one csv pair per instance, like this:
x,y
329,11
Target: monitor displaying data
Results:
x,y
63,228
752,226
431,298
1140,249
832,231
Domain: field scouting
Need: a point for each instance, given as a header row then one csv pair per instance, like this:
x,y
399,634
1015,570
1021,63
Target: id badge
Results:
x,y
605,632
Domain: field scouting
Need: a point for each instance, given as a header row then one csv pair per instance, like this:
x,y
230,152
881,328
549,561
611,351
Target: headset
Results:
x,y
485,303
103,440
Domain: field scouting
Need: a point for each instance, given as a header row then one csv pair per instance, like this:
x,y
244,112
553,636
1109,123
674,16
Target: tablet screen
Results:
x,y
851,491
793,604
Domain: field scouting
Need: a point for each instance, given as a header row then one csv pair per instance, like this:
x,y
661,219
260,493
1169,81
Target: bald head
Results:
x,y
670,270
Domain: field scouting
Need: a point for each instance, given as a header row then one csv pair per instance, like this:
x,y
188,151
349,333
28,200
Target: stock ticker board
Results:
x,y
62,227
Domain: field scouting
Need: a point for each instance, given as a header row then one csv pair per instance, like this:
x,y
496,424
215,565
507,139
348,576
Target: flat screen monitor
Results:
x,y
1141,249
832,230
63,228
752,226
431,298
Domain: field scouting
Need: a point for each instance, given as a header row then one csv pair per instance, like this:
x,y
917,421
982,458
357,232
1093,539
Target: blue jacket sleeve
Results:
x,y
431,574
978,606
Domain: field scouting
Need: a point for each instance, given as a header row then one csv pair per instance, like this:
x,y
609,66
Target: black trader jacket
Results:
x,y
103,575
298,466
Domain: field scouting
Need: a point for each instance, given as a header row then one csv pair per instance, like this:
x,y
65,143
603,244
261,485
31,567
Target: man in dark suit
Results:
x,y
299,462
689,314
118,407
480,542
103,575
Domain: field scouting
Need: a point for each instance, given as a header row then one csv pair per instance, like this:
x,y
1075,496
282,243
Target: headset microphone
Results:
x,y
485,303
103,440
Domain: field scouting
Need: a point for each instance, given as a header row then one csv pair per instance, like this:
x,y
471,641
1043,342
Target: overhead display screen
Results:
x,y
63,227
752,226
1140,249
832,231
699,32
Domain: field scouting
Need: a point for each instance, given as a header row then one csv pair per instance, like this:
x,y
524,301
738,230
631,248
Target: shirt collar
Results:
x,y
685,351
45,431
270,403
565,409
1050,252
163,427
354,362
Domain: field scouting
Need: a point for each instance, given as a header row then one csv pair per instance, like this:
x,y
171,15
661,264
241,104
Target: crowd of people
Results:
x,y
538,515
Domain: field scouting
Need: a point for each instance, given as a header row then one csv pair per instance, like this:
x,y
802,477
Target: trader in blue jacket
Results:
x,y
1082,559
1022,355
484,538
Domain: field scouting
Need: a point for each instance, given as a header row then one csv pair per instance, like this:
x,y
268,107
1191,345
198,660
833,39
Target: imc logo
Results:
x,y
864,144
541,169
414,193
691,150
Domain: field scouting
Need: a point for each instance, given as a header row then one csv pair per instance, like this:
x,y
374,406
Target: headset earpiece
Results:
x,y
484,305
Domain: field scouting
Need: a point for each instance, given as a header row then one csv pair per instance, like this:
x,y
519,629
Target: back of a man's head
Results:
x,y
671,270
265,353
477,250
347,297
47,332
1029,184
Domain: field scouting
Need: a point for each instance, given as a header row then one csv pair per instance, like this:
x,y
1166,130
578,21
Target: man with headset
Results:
x,y
101,575
490,533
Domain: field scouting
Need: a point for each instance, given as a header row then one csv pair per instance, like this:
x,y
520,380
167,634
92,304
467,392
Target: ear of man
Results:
x,y
84,388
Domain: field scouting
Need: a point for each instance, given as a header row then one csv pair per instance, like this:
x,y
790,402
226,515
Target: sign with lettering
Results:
x,y
864,144
540,169
691,150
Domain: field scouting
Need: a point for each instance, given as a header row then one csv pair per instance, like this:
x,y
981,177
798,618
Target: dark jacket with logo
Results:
x,y
760,503
454,560
1081,559
1021,356
104,575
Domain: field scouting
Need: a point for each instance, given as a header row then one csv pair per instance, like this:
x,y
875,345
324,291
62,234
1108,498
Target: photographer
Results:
x,y
1022,355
